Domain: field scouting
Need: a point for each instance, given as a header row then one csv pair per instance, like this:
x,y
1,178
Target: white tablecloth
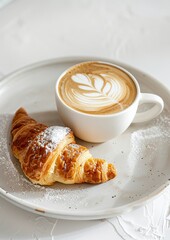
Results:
x,y
133,32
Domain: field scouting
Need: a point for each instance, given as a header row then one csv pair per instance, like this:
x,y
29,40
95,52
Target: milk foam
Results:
x,y
97,89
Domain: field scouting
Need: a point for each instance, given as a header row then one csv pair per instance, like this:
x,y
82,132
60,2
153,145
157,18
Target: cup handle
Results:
x,y
152,112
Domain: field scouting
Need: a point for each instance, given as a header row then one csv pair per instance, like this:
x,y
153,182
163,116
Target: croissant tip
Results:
x,y
111,172
20,112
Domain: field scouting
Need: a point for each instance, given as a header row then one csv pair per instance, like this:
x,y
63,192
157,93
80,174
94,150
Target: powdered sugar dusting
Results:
x,y
51,137
145,142
7,167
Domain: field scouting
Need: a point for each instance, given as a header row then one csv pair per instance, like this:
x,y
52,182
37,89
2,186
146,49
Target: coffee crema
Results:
x,y
97,88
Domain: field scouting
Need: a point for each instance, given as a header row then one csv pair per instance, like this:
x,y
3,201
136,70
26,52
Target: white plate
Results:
x,y
140,154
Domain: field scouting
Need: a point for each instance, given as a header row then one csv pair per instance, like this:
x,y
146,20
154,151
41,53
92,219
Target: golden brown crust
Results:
x,y
50,154
19,123
25,136
67,162
93,169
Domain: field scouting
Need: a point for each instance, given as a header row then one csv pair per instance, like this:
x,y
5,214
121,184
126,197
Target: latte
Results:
x,y
97,88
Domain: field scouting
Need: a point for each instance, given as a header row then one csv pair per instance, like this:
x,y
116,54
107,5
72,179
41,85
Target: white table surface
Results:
x,y
133,32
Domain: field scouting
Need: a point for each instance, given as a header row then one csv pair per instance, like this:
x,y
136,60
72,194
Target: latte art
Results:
x,y
97,88
96,92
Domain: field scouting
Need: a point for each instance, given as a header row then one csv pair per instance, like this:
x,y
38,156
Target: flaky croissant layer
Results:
x,y
50,154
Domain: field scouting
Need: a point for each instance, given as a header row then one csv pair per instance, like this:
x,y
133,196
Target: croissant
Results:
x,y
50,154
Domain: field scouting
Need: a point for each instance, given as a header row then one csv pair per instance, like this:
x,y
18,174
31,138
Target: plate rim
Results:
x,y
86,214
83,214
41,63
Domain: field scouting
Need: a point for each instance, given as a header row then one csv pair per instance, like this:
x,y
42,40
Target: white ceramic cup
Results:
x,y
100,128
